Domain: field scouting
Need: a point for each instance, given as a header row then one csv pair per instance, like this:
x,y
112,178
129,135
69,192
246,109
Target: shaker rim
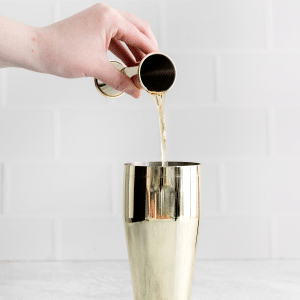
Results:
x,y
155,164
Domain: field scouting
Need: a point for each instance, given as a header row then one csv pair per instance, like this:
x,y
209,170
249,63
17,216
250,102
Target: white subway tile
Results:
x,y
262,186
127,101
287,130
44,90
101,238
210,132
234,238
60,189
24,239
119,185
32,13
195,79
260,78
288,229
25,133
111,134
216,24
210,190
148,11
286,23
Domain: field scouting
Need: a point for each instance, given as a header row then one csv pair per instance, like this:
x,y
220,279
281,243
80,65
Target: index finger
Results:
x,y
132,36
142,25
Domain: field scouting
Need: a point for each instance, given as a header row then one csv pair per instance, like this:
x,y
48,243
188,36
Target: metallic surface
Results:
x,y
105,89
161,220
110,92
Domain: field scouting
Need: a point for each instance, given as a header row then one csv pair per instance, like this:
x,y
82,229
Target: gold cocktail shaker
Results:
x,y
161,220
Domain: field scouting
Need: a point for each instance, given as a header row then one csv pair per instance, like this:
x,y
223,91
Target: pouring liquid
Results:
x,y
159,98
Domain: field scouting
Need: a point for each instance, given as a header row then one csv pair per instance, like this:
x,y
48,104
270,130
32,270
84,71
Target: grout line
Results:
x,y
3,86
149,107
222,196
5,172
206,214
126,261
231,105
56,134
114,188
217,79
232,51
269,25
56,239
56,11
1,187
273,238
248,214
271,138
204,159
61,161
59,216
163,26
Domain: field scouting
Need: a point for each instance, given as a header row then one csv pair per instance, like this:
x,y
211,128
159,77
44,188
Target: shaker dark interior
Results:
x,y
157,73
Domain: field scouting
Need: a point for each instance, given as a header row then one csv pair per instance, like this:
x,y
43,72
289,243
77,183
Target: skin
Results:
x,y
77,46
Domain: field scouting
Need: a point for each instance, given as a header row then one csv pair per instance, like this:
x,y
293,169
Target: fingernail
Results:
x,y
136,81
137,93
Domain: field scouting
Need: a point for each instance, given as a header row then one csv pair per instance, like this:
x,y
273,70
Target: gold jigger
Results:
x,y
161,220
156,73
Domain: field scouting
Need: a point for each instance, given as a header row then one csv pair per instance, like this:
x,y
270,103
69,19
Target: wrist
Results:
x,y
47,48
33,61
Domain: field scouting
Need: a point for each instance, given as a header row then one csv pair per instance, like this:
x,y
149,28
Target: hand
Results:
x,y
77,46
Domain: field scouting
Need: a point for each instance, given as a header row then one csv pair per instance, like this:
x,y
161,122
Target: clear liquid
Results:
x,y
160,102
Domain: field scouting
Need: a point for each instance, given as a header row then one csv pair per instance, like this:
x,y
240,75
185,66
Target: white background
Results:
x,y
235,108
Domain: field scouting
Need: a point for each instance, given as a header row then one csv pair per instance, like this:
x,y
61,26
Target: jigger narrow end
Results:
x,y
105,89
156,74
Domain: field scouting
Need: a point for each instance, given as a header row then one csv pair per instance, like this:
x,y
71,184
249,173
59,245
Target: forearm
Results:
x,y
77,46
19,46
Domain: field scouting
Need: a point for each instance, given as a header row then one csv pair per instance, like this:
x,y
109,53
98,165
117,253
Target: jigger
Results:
x,y
161,220
156,73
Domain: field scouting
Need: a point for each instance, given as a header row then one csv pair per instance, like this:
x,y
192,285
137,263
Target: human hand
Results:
x,y
77,46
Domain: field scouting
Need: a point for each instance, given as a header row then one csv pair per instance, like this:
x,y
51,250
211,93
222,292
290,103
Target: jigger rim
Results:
x,y
140,66
155,164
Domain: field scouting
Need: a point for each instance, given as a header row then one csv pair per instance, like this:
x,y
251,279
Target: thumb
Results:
x,y
111,76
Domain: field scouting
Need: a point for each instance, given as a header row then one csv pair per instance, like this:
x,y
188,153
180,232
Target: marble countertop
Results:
x,y
111,280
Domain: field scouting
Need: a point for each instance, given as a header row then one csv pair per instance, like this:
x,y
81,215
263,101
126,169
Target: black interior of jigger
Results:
x,y
157,73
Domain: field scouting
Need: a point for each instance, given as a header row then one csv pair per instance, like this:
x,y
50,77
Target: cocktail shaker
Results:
x,y
156,73
161,220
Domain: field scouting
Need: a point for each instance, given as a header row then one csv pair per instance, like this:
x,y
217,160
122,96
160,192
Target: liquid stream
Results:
x,y
160,102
